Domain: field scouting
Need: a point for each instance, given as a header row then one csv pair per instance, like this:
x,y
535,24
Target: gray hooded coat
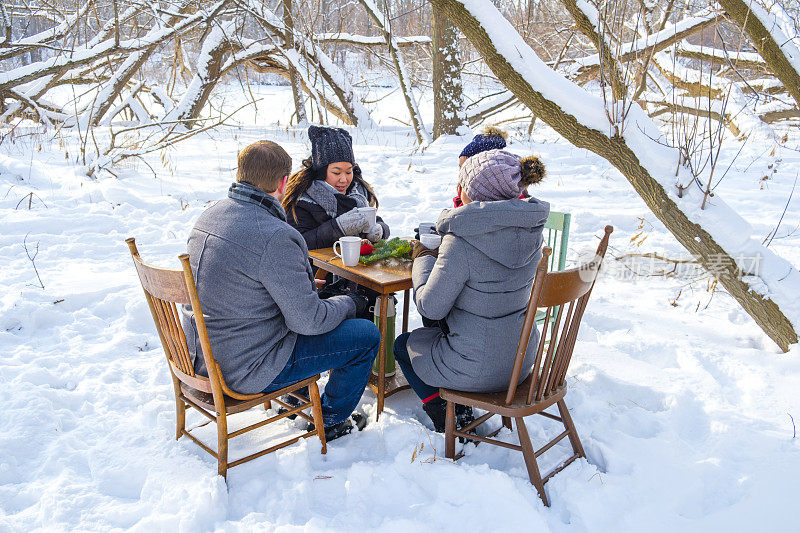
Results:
x,y
480,284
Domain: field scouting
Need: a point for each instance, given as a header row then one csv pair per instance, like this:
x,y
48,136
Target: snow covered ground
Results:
x,y
684,406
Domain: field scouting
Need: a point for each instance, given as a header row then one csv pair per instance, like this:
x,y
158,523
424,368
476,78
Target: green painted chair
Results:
x,y
556,235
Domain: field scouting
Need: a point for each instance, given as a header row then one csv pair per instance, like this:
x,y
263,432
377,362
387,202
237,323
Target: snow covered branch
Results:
x,y
641,154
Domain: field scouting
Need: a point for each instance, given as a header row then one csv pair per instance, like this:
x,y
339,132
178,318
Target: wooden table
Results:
x,y
385,278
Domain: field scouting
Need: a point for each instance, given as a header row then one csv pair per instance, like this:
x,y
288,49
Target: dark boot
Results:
x,y
464,416
437,411
291,400
345,427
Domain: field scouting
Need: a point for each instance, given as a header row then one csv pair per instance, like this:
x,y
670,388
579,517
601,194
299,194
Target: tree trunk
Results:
x,y
587,27
294,79
694,237
740,11
448,100
399,64
209,67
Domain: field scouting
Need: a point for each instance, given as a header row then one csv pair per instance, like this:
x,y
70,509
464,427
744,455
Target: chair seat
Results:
x,y
495,402
232,405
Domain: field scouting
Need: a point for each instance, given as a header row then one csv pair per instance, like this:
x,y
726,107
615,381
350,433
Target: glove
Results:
x,y
419,250
361,302
353,222
375,233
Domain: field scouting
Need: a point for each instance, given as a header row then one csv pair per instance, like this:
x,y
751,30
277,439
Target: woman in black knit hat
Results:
x,y
322,198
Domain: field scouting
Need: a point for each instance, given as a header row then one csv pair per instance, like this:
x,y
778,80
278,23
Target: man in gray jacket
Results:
x,y
267,326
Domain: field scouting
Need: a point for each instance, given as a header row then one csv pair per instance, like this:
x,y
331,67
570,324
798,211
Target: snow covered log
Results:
x,y
649,45
120,78
735,59
371,41
715,236
32,42
772,39
94,51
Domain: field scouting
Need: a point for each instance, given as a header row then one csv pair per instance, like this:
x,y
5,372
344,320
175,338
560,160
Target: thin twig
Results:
x,y
33,258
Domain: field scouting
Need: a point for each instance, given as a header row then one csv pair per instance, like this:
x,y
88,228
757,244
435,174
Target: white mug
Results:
x,y
371,213
427,227
430,240
349,250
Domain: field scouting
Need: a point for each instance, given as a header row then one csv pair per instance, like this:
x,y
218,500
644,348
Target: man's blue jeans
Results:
x,y
348,352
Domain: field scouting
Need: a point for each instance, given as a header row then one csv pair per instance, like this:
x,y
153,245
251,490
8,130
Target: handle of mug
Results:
x,y
339,253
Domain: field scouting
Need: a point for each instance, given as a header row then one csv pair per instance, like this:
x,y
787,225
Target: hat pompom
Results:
x,y
532,170
314,132
492,131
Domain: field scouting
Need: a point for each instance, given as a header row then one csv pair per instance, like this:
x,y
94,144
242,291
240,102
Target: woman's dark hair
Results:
x,y
300,181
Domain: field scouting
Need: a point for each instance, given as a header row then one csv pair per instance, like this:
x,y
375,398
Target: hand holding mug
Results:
x,y
420,250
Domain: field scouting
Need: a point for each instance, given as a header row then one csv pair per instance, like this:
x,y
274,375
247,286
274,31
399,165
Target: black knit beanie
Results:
x,y
330,145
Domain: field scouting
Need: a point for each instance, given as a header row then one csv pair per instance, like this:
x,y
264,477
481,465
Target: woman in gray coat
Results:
x,y
477,284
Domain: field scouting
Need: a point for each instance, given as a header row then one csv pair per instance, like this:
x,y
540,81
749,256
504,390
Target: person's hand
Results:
x,y
420,250
375,233
353,222
361,301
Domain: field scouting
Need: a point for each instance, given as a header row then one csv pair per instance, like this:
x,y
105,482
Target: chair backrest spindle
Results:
x,y
165,290
555,291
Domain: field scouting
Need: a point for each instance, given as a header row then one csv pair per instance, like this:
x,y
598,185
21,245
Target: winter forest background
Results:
x,y
674,121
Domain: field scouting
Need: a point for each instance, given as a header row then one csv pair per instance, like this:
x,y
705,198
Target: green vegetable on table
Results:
x,y
397,248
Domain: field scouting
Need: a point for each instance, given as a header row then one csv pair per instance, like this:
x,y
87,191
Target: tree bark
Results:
x,y
607,57
697,240
448,98
399,64
739,11
294,79
209,68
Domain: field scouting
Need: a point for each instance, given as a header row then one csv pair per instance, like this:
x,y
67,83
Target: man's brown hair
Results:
x,y
263,164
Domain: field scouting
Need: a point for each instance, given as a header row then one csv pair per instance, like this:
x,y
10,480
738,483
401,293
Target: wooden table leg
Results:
x,y
382,355
406,298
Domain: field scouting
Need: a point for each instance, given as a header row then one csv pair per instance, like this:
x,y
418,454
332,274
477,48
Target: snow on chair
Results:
x,y
564,294
211,396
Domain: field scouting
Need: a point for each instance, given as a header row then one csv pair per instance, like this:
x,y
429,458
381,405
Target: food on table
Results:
x,y
396,248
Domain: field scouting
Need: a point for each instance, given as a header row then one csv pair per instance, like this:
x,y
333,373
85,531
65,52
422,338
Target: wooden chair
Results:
x,y
566,290
211,396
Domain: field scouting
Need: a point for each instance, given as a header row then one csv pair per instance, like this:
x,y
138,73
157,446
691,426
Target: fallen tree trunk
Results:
x,y
369,41
647,46
577,115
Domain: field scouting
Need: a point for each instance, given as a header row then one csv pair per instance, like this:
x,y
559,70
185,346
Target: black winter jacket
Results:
x,y
317,227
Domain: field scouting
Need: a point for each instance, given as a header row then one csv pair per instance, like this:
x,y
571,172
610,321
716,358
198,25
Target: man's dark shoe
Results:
x,y
345,427
291,400
436,410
